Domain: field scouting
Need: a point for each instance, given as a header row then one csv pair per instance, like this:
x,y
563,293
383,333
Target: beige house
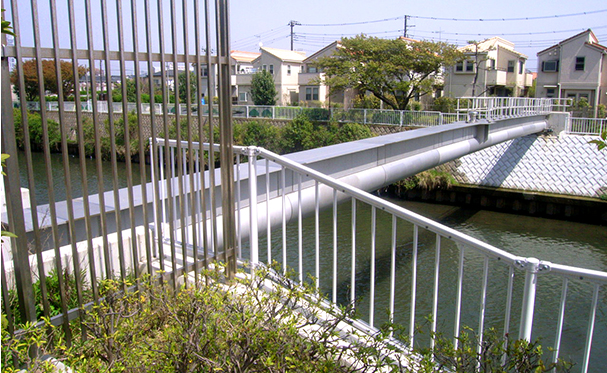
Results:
x,y
498,69
242,71
574,68
284,65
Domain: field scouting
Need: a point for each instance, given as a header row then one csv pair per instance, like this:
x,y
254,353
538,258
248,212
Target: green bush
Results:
x,y
36,132
120,138
427,180
257,133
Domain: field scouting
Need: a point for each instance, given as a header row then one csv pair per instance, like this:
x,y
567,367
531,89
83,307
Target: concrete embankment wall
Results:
x,y
550,176
563,164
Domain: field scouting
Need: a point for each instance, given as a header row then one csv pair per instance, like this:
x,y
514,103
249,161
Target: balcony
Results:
x,y
497,77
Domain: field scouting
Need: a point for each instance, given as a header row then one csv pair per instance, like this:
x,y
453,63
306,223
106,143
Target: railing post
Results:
x,y
252,152
273,112
532,267
401,118
365,116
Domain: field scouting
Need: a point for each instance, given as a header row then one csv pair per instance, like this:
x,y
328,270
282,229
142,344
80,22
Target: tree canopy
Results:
x,y
263,90
183,87
392,70
30,74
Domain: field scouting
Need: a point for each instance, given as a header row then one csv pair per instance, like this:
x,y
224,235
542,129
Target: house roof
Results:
x,y
242,56
408,39
491,44
314,56
285,54
594,41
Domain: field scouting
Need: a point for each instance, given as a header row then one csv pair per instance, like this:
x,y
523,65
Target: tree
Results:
x,y
183,90
263,90
30,74
392,70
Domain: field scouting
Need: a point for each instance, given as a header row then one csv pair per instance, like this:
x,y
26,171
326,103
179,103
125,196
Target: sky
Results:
x,y
531,25
266,22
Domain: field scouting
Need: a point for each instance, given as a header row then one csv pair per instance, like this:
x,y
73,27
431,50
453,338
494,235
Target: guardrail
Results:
x,y
342,249
501,107
586,126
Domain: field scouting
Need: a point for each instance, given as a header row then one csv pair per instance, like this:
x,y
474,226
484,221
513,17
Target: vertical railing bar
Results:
x,y
49,177
29,164
184,174
179,154
175,195
353,265
372,272
413,285
317,233
167,153
392,270
192,210
334,294
559,327
483,305
141,135
284,220
458,301
435,291
253,216
509,300
162,187
98,154
211,90
268,222
114,161
202,195
127,140
589,334
156,167
299,230
238,207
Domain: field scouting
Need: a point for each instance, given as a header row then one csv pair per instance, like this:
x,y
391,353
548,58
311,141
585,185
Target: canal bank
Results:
x,y
520,202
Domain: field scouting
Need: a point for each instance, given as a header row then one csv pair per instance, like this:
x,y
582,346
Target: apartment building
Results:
x,y
491,67
574,68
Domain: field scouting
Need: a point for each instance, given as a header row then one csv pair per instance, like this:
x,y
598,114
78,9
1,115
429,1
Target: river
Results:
x,y
575,244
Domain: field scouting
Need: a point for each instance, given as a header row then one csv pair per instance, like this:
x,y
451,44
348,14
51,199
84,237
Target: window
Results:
x,y
579,63
288,69
492,64
521,66
205,71
242,96
312,69
302,68
312,94
550,66
272,69
550,92
264,67
469,66
510,66
459,66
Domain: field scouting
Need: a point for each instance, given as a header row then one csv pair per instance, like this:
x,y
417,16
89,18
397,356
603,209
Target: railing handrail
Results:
x,y
422,221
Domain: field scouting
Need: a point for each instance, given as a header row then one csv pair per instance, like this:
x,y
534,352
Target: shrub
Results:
x,y
428,180
36,132
120,138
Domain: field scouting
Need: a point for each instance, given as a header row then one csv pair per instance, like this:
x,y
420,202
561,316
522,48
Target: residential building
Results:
x,y
284,65
491,67
312,90
574,68
242,72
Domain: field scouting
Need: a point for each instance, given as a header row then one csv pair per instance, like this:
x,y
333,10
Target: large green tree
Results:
x,y
30,74
263,90
392,70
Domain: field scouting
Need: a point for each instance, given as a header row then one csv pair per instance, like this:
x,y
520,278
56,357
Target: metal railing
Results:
x,y
103,234
324,228
586,126
503,107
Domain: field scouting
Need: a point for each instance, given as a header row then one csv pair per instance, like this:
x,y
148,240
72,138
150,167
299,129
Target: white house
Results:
x,y
491,67
574,68
284,65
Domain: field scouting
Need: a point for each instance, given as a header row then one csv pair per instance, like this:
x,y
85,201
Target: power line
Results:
x,y
511,19
457,19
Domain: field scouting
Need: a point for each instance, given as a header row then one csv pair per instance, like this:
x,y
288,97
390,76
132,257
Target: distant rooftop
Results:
x,y
285,54
242,56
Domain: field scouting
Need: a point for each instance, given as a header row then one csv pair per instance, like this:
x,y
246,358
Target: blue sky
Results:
x,y
266,21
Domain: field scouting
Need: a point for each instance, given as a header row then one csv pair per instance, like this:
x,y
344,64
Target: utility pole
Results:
x,y
293,24
407,27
